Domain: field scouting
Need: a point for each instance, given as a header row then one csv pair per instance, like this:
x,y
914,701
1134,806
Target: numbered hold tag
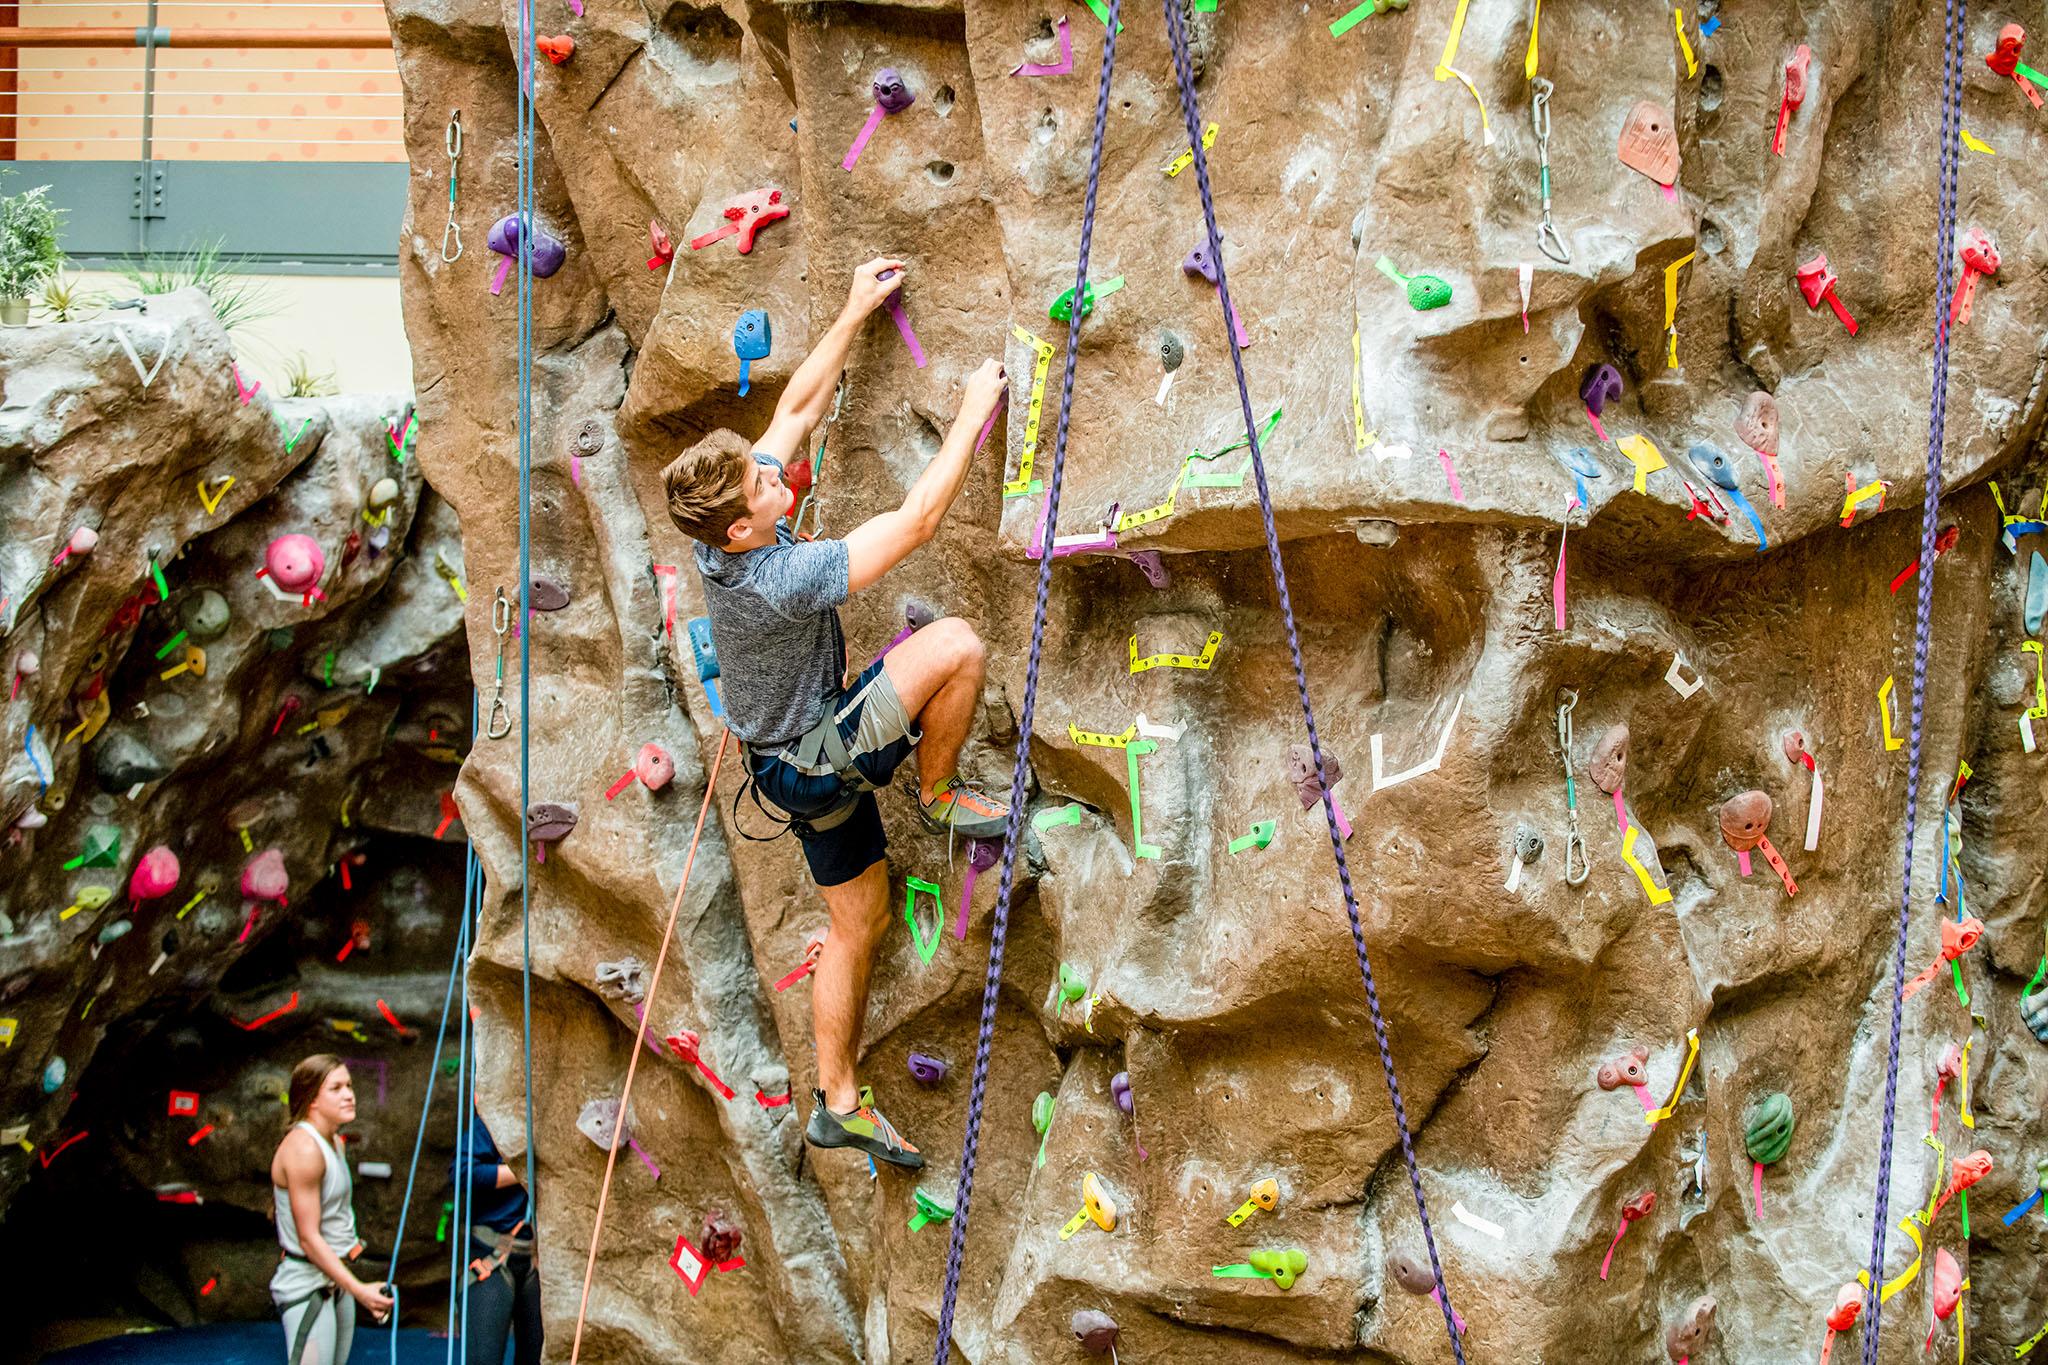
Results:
x,y
1265,1195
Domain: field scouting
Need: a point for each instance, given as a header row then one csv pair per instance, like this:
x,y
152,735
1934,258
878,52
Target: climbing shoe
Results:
x,y
959,809
864,1129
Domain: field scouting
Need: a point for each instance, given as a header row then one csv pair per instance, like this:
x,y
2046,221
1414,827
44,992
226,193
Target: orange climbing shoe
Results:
x,y
864,1129
959,808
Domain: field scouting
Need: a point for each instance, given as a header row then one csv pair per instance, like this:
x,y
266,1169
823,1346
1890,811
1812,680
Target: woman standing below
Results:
x,y
504,1293
316,1221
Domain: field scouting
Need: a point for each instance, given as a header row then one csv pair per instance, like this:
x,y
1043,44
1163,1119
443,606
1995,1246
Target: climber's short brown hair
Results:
x,y
706,486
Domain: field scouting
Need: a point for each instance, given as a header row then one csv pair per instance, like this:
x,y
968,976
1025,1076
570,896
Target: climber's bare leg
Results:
x,y
937,675
859,911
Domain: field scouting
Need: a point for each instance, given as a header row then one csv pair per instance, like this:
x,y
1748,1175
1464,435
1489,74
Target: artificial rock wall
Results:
x,y
247,733
1424,589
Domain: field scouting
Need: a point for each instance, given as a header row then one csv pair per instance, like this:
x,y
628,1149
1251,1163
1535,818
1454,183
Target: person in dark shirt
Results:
x,y
504,1288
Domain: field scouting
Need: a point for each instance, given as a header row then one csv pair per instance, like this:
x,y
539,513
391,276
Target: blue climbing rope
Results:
x,y
1937,424
427,1107
1191,113
471,892
999,928
528,226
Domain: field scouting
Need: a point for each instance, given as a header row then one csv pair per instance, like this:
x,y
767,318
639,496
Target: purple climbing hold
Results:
x,y
1197,262
1120,1091
547,251
890,91
927,1070
1601,386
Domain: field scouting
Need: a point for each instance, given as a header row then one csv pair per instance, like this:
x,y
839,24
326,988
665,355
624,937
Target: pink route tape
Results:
x,y
1065,64
860,141
895,306
1444,458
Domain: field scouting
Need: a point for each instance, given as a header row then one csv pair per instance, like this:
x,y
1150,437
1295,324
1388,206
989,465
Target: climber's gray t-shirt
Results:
x,y
775,624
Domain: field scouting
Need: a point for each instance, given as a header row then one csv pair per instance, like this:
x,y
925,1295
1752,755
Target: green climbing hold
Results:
x,y
1070,987
102,848
1281,1264
1768,1133
1041,1120
1062,309
929,1210
1424,291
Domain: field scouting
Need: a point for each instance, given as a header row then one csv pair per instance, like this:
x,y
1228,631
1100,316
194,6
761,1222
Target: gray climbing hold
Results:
x,y
2037,592
1171,352
2034,1009
548,595
546,821
205,613
120,760
383,493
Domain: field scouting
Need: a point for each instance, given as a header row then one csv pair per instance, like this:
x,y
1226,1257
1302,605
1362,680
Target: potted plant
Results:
x,y
28,249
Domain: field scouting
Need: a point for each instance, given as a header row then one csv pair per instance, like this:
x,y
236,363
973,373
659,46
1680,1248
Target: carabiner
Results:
x,y
498,719
1550,244
453,138
452,231
1567,699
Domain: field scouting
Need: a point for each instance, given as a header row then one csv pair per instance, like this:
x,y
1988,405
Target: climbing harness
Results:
x,y
813,503
1567,699
1000,919
1937,423
1540,91
453,232
498,723
611,1156
507,1244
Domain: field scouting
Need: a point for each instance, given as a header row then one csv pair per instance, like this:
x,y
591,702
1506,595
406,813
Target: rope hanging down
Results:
x,y
1000,924
1937,423
1191,112
527,229
611,1156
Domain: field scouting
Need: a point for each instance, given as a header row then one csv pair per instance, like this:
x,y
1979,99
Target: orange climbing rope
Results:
x,y
619,1125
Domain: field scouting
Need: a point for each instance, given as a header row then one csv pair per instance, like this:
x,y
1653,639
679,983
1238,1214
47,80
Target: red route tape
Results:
x,y
392,1019
286,1008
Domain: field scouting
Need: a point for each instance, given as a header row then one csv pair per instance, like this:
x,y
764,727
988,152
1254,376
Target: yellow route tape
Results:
x,y
1692,1054
1198,661
1022,486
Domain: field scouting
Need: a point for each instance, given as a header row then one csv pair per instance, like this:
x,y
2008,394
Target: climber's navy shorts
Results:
x,y
879,734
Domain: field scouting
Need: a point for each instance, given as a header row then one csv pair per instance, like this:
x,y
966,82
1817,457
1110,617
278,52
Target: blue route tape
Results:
x,y
28,745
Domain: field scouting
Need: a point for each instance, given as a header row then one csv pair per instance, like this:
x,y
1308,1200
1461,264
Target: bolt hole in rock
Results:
x,y
1555,631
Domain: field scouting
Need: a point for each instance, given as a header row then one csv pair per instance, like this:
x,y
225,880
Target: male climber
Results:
x,y
817,743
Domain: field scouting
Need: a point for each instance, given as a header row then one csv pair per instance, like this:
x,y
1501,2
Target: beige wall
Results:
x,y
350,326
82,104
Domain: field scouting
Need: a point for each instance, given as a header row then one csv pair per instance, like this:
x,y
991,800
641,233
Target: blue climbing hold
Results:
x,y
707,662
1716,465
750,341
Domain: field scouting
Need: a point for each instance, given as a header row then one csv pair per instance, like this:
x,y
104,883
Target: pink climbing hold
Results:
x,y
156,874
265,878
654,767
295,562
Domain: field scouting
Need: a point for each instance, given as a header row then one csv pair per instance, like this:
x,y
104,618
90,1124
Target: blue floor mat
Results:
x,y
245,1343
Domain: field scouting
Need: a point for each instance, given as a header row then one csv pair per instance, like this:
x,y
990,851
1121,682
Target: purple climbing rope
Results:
x,y
1000,925
1192,114
1937,424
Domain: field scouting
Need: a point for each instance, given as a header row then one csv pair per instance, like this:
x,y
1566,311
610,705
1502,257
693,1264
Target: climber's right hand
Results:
x,y
985,388
867,293
373,1299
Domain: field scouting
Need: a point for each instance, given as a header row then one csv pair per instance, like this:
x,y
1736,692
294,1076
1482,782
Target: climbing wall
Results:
x,y
1592,537
217,794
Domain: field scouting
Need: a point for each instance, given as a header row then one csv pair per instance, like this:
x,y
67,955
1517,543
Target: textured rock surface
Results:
x,y
1228,990
280,748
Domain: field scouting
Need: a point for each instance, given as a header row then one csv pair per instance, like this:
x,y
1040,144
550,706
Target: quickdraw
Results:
x,y
498,719
1572,839
1547,239
453,232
